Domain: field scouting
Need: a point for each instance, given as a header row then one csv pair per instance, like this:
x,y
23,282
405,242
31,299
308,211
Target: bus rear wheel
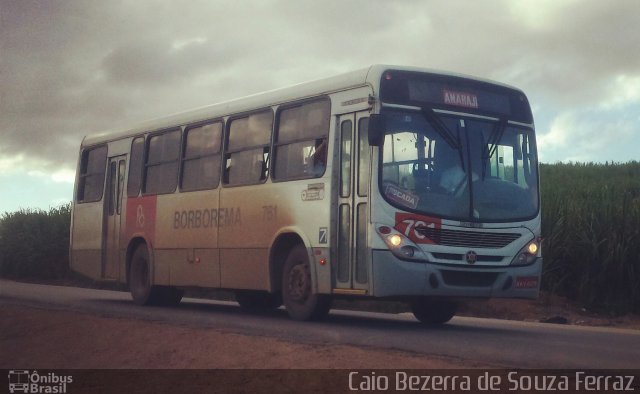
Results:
x,y
433,312
258,300
142,291
297,291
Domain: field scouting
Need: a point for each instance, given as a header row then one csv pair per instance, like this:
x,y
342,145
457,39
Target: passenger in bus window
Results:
x,y
320,157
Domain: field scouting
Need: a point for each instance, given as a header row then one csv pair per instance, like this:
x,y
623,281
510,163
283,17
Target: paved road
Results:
x,y
500,343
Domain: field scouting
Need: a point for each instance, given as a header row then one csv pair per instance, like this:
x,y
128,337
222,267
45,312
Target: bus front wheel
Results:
x,y
432,311
142,291
297,292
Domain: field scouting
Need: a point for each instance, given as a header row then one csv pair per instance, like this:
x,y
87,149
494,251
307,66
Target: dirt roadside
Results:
x,y
547,309
46,339
31,337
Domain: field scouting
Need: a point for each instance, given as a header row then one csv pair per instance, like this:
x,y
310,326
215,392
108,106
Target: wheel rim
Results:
x,y
298,285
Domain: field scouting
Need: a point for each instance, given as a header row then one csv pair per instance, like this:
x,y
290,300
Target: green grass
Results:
x,y
35,243
591,230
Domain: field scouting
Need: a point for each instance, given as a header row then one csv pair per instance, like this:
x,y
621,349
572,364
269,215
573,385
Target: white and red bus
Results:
x,y
387,182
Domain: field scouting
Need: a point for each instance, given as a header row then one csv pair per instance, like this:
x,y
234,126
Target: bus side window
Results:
x,y
92,171
301,140
247,149
161,175
135,167
201,157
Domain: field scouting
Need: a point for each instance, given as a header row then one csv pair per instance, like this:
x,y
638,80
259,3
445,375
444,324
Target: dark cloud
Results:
x,y
74,67
148,62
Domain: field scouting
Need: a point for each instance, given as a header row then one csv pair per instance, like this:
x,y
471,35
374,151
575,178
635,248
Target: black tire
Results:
x,y
169,296
258,300
142,292
297,293
433,312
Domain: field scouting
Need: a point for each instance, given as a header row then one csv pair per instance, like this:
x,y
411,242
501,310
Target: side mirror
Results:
x,y
376,129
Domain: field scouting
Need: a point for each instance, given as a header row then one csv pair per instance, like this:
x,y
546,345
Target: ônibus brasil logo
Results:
x,y
25,381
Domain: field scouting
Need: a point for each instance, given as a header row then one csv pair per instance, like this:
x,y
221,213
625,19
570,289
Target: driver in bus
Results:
x,y
453,178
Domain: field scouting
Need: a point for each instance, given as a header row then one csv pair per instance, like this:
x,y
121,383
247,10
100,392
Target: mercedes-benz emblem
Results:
x,y
471,257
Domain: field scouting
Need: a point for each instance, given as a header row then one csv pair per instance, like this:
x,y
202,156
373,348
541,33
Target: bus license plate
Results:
x,y
526,282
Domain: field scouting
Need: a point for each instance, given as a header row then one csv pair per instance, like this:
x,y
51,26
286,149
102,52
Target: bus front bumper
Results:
x,y
393,277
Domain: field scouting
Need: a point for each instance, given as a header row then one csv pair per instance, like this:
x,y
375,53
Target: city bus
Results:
x,y
392,183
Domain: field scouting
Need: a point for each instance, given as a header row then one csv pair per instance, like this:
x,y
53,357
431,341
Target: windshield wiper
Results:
x,y
445,133
494,138
441,128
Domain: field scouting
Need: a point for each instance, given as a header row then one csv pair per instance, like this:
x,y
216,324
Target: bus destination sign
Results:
x,y
448,92
460,99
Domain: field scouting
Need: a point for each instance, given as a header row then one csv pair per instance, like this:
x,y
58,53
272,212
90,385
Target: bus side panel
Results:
x,y
186,238
245,269
252,216
202,269
248,219
163,259
86,251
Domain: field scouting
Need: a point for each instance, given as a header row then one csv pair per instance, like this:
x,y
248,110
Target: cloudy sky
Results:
x,y
74,67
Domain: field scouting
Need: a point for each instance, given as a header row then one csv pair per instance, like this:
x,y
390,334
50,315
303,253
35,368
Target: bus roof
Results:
x,y
362,77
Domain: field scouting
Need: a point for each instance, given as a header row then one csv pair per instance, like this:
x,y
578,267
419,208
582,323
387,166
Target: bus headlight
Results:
x,y
408,251
528,254
394,240
401,246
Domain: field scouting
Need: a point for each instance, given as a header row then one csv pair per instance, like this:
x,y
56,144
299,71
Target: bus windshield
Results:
x,y
459,167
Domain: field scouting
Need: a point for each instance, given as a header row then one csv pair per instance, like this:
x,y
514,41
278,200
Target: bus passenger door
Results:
x,y
112,216
353,261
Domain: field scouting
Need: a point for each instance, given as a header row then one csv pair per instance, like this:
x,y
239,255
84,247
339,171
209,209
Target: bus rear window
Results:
x,y
92,170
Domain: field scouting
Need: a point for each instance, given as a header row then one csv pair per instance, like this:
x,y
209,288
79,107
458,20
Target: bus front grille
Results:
x,y
460,257
469,239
